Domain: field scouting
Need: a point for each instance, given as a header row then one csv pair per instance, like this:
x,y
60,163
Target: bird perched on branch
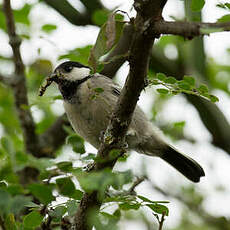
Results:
x,y
89,101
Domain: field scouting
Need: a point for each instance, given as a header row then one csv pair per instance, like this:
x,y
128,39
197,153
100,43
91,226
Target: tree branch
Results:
x,y
19,85
64,8
139,57
54,136
189,29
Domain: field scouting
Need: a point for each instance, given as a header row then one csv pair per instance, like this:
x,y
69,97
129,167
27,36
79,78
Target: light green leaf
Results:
x,y
225,18
48,28
189,80
162,91
170,80
161,76
184,85
32,220
72,206
203,89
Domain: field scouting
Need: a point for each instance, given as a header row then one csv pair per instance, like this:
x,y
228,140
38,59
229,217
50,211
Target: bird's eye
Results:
x,y
68,68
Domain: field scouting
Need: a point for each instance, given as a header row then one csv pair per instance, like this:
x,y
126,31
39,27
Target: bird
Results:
x,y
89,100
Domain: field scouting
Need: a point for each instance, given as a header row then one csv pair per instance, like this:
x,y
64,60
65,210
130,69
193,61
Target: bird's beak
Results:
x,y
53,77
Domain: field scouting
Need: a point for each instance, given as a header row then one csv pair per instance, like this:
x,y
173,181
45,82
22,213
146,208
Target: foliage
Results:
x,y
28,204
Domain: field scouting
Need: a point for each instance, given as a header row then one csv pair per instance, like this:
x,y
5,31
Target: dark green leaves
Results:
x,y
187,85
77,143
42,192
67,188
159,208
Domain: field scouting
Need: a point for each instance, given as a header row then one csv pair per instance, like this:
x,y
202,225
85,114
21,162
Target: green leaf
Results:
x,y
72,206
10,223
189,80
7,145
42,192
100,48
197,5
145,199
32,220
213,98
159,208
31,204
128,206
203,89
162,91
48,28
170,80
77,143
99,17
161,76
184,85
65,166
58,213
4,202
67,188
18,203
22,15
225,18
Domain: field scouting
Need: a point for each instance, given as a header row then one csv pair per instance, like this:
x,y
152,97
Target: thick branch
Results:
x,y
19,84
189,29
139,58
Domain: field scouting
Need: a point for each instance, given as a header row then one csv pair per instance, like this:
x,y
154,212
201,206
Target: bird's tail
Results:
x,y
184,164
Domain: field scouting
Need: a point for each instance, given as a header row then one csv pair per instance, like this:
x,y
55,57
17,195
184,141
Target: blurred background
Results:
x,y
55,31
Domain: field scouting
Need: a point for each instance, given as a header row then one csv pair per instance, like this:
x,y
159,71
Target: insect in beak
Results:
x,y
53,77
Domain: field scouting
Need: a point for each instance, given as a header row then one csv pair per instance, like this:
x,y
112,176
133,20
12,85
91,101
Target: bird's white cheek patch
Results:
x,y
78,73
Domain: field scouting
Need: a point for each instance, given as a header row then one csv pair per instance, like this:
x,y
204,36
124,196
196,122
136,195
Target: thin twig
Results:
x,y
161,221
138,181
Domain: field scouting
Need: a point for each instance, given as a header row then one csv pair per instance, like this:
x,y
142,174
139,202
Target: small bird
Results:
x,y
89,100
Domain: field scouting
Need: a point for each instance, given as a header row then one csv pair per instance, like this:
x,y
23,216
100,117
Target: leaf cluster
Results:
x,y
187,85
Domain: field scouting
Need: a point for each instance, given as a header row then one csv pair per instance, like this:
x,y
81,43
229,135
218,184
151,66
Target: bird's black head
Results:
x,y
70,71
